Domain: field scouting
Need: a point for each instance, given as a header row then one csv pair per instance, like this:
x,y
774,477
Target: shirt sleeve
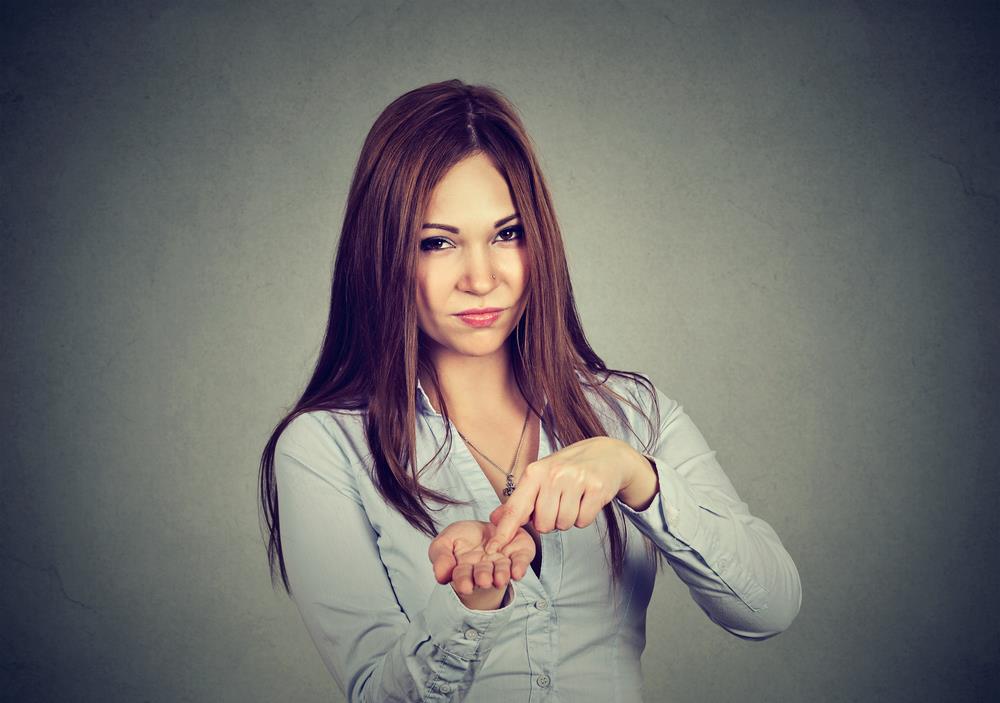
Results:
x,y
340,586
733,563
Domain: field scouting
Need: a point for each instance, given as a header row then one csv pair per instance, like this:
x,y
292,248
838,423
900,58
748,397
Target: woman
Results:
x,y
431,569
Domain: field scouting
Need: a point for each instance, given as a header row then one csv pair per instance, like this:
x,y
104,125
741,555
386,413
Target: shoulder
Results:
x,y
631,386
329,443
318,427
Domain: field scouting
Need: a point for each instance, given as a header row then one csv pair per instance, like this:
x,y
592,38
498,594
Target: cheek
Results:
x,y
429,297
522,269
420,292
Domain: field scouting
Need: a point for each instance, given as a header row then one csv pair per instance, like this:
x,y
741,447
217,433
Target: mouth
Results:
x,y
481,319
480,311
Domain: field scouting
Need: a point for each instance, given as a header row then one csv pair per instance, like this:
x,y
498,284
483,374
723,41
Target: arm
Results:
x,y
733,563
340,586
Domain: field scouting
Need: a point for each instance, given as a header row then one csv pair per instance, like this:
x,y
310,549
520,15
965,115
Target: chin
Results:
x,y
482,348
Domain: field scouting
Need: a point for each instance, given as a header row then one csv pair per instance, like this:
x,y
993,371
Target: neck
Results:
x,y
466,382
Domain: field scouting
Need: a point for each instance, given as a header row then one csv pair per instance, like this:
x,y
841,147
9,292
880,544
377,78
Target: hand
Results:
x,y
480,580
565,489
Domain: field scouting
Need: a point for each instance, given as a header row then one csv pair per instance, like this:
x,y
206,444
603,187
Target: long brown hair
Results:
x,y
372,349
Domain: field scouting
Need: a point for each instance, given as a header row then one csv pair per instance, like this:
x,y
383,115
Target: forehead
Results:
x,y
471,190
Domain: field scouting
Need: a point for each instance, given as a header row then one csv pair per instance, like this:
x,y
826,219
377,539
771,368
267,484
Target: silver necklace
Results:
x,y
509,488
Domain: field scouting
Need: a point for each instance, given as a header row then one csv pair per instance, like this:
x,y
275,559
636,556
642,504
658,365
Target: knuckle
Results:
x,y
569,476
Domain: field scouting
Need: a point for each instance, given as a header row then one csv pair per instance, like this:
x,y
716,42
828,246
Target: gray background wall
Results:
x,y
798,200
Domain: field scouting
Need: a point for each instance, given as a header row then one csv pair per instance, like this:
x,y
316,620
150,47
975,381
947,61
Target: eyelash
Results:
x,y
518,230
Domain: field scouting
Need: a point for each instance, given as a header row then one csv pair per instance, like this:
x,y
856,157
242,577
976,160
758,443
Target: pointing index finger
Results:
x,y
512,515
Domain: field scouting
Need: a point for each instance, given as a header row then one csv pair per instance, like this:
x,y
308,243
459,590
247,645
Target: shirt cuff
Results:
x,y
673,517
466,634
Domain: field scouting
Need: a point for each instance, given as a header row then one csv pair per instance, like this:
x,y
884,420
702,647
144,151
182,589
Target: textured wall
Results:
x,y
785,213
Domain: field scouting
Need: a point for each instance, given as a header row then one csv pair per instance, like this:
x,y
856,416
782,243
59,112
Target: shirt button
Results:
x,y
541,604
444,687
542,680
471,634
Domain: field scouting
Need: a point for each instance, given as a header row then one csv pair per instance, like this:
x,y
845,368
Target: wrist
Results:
x,y
642,483
483,598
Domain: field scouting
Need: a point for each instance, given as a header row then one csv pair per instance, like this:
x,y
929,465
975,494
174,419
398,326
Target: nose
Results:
x,y
477,277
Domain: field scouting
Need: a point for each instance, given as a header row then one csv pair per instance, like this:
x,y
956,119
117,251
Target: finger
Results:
x,y
520,561
501,572
546,507
483,574
521,550
590,506
496,514
512,514
569,508
461,579
443,560
508,519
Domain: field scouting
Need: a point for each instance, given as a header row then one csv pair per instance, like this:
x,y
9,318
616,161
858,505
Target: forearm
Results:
x,y
733,562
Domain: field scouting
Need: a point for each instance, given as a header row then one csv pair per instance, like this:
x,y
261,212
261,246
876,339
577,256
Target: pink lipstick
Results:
x,y
483,317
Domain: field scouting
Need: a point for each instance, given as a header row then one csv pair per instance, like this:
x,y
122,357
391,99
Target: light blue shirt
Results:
x,y
388,631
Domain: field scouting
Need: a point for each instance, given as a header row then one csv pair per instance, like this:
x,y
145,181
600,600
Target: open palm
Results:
x,y
458,555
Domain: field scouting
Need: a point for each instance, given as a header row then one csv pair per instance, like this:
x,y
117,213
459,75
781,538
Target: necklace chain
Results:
x,y
509,488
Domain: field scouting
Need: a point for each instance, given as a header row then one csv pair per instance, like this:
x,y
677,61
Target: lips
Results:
x,y
479,311
481,320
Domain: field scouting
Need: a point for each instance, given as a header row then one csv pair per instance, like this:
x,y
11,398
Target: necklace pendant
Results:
x,y
510,486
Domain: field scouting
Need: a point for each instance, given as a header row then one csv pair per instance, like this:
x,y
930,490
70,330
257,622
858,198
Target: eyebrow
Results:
x,y
454,230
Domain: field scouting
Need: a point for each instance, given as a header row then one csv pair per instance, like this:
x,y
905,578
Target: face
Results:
x,y
469,238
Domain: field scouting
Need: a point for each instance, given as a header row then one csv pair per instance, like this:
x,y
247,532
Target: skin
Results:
x,y
458,274
484,265
568,488
480,580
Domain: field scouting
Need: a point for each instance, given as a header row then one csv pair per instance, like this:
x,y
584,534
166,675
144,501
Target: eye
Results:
x,y
518,231
428,244
510,234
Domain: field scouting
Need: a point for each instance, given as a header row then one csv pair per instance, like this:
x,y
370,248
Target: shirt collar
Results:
x,y
423,402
